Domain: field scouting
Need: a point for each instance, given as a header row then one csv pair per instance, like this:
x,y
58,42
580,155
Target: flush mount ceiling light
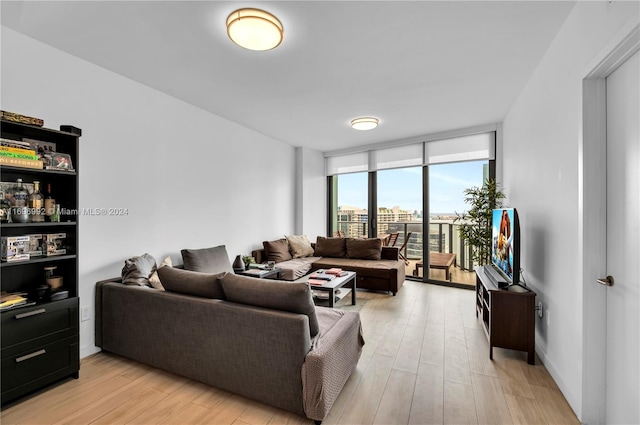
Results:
x,y
254,29
364,123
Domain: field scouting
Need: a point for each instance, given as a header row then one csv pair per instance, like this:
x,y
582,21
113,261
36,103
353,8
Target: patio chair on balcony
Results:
x,y
391,239
404,245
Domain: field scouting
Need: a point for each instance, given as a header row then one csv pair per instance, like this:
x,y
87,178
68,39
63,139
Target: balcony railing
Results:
x,y
443,237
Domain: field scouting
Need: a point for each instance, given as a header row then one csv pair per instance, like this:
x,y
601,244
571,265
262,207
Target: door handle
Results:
x,y
607,281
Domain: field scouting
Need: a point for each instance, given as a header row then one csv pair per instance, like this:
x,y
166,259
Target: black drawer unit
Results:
x,y
39,346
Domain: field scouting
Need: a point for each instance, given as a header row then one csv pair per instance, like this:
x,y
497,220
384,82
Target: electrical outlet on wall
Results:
x,y
84,314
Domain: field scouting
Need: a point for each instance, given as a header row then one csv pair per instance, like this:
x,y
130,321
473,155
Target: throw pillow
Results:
x,y
299,246
364,249
154,280
191,283
331,247
207,260
284,296
137,270
277,251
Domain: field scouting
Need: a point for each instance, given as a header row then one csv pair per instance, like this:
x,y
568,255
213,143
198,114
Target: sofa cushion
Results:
x,y
154,280
331,247
137,270
191,283
284,296
299,246
207,260
296,268
364,249
277,251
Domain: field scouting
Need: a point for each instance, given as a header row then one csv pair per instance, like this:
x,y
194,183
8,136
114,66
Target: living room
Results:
x,y
190,178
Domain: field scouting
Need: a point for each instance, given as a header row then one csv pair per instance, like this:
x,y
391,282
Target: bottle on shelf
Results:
x,y
19,203
5,209
49,203
36,204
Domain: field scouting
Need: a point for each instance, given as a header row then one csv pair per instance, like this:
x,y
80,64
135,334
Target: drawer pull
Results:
x,y
30,356
30,313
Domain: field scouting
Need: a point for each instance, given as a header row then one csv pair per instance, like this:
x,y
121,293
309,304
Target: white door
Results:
x,y
623,242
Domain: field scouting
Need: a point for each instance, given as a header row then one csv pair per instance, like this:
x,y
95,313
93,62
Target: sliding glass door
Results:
x,y
449,258
399,213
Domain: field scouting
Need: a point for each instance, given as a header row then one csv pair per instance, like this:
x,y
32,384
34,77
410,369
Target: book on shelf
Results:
x,y
13,149
316,282
22,163
18,155
334,271
20,144
254,271
12,300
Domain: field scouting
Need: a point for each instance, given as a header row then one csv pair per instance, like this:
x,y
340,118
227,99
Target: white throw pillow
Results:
x,y
154,280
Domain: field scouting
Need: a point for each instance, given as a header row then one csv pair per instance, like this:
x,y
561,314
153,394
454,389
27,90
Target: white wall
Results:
x,y
189,179
541,150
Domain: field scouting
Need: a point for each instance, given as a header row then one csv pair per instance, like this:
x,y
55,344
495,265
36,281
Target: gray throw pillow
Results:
x,y
284,296
191,283
277,251
137,270
331,247
207,260
364,249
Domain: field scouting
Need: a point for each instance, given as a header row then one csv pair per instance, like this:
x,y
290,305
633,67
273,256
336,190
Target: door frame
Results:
x,y
592,218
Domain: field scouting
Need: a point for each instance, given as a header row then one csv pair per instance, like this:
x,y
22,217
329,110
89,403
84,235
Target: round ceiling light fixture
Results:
x,y
254,29
364,123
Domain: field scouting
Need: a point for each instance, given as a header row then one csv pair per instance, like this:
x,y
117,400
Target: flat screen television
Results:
x,y
505,251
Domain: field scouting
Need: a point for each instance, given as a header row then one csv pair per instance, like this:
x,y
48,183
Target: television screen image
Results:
x,y
505,252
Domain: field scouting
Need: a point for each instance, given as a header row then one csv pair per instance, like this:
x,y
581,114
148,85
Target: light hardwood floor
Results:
x,y
426,361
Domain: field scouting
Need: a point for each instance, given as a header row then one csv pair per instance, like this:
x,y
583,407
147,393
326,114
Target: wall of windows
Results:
x,y
413,195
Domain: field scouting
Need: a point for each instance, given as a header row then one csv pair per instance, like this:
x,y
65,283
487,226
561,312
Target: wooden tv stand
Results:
x,y
508,315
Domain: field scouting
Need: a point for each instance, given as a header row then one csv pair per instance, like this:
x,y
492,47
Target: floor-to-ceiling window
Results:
x,y
352,217
413,195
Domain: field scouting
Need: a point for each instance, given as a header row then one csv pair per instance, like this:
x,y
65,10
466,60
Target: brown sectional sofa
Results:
x,y
265,342
377,267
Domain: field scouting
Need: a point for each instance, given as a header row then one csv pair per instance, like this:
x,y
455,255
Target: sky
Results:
x,y
403,187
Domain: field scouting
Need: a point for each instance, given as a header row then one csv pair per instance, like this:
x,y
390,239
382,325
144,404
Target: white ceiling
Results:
x,y
420,66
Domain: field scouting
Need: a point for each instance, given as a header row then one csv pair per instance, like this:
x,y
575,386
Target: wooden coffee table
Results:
x,y
331,286
439,260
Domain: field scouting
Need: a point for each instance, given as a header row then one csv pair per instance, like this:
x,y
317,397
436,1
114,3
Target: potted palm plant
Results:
x,y
475,228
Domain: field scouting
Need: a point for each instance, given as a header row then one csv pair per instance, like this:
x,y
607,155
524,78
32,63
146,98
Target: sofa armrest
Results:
x,y
329,364
390,253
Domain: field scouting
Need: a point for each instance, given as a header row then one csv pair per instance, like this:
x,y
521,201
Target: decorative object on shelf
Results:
x,y
247,259
36,204
49,204
238,264
22,119
254,29
19,198
475,229
71,129
15,248
59,161
5,209
55,217
271,265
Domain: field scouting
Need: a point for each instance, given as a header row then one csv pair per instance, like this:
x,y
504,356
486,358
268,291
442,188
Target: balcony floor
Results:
x,y
457,275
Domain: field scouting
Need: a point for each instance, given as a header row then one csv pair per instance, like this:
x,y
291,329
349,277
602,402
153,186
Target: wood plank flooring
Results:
x,y
426,361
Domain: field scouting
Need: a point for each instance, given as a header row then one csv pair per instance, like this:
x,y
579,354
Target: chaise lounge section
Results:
x,y
377,267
